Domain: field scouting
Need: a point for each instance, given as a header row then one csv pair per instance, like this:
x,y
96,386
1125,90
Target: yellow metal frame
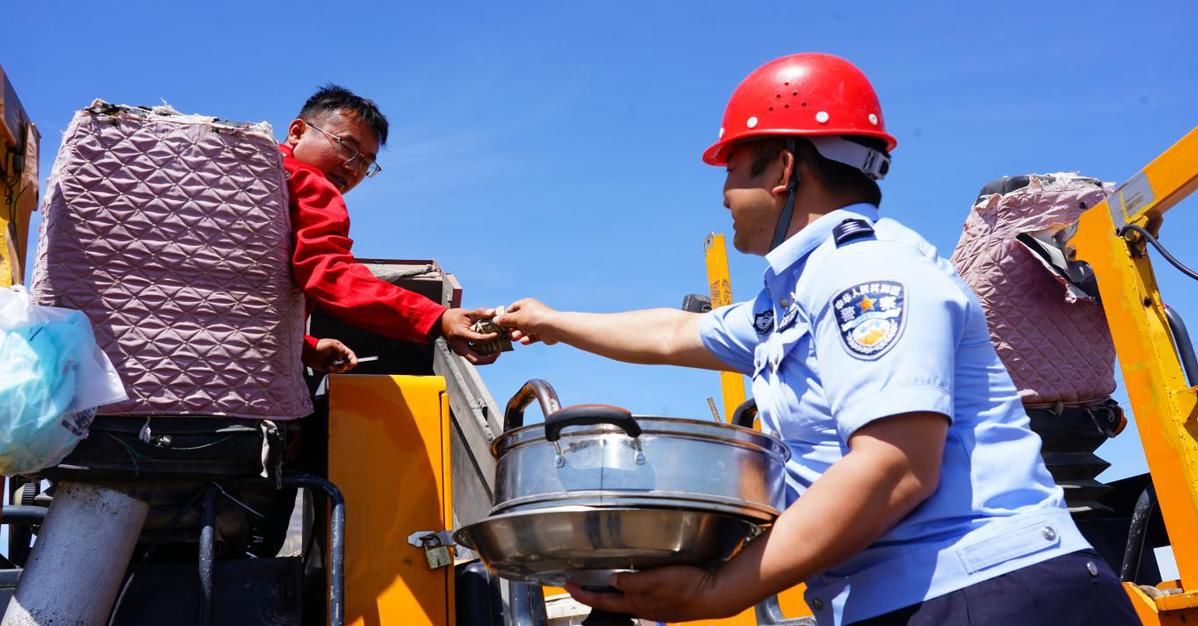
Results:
x,y
1163,402
715,252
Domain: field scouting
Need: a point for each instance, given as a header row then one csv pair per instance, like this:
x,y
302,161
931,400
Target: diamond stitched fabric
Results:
x,y
1057,348
171,233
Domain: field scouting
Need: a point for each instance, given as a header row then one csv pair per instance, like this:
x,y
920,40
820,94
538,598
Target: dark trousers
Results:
x,y
1077,589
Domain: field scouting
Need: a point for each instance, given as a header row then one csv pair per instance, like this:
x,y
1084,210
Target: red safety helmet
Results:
x,y
809,94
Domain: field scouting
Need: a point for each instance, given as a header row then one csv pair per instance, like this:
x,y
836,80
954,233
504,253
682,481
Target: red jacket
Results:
x,y
326,270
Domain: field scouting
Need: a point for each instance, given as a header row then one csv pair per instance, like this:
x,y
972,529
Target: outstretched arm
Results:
x,y
649,336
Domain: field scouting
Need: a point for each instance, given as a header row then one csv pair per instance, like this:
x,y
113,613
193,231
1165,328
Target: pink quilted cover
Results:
x,y
1056,347
171,232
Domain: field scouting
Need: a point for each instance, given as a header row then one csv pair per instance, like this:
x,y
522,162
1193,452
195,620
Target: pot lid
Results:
x,y
652,427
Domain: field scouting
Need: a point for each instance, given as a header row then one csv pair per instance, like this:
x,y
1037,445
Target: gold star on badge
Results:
x,y
866,304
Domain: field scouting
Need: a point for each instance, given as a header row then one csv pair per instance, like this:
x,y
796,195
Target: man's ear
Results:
x,y
295,130
782,181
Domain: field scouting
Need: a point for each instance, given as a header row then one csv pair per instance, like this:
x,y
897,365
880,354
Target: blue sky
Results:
x,y
552,149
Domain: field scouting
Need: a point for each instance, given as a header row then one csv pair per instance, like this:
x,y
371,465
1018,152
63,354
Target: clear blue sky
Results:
x,y
552,149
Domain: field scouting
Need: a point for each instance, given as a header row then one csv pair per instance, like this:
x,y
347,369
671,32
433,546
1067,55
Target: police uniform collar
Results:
x,y
800,244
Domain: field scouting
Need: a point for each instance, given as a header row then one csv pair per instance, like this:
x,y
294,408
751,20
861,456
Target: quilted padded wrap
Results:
x,y
1056,347
171,232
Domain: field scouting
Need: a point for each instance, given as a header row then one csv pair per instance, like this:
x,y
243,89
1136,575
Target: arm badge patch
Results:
x,y
871,317
763,322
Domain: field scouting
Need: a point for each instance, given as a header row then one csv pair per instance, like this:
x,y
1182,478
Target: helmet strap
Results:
x,y
792,184
872,163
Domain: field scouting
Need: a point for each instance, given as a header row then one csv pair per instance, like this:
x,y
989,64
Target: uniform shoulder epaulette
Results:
x,y
851,230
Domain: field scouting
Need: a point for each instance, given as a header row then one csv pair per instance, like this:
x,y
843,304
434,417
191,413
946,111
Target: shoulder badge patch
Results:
x,y
763,322
871,317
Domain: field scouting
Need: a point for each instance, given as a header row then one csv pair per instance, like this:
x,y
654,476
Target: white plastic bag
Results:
x,y
52,378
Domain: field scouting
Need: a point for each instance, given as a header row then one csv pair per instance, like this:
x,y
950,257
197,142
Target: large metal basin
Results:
x,y
585,545
603,456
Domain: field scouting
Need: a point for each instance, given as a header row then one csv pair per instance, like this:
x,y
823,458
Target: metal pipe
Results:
x,y
20,529
1136,535
89,533
523,604
336,540
207,553
337,559
20,520
23,514
1185,348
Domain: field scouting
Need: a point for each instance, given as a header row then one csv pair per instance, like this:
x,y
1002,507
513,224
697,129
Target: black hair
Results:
x,y
332,98
834,175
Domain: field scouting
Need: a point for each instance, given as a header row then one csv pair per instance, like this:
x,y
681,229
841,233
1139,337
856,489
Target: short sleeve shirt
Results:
x,y
843,335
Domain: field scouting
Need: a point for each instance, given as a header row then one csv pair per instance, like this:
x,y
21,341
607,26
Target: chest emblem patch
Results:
x,y
871,317
763,322
788,318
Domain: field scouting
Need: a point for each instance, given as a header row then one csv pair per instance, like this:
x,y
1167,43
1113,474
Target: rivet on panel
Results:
x,y
822,117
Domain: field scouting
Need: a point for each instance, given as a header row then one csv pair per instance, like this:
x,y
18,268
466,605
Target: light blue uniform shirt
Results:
x,y
843,335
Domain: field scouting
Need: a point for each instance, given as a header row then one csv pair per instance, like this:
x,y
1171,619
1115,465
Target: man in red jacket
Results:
x,y
330,148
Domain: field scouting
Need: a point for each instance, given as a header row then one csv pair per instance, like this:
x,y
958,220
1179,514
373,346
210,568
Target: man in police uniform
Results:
x,y
923,496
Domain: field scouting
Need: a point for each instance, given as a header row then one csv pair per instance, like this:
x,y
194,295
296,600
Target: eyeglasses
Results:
x,y
352,157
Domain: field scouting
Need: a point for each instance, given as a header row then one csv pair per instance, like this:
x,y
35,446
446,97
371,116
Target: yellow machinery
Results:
x,y
389,454
18,181
1113,239
411,457
715,253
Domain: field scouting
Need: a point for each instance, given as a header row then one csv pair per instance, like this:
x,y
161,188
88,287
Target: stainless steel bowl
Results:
x,y
585,545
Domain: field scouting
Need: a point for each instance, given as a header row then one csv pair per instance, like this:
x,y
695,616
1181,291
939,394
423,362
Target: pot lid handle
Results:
x,y
535,389
745,413
584,414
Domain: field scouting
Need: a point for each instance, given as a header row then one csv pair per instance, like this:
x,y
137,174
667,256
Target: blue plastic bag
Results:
x,y
52,378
